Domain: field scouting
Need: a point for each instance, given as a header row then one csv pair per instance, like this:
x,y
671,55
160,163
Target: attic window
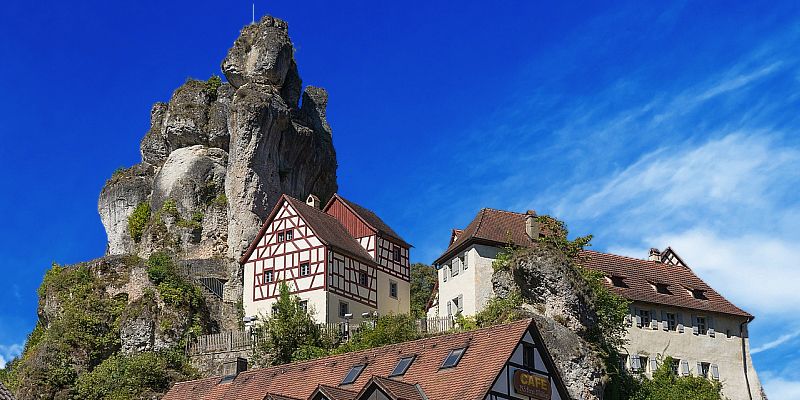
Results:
x,y
353,374
453,358
396,253
662,288
698,294
402,366
617,281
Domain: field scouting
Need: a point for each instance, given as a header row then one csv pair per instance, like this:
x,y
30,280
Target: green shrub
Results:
x,y
138,220
500,310
169,208
221,200
141,375
212,84
666,385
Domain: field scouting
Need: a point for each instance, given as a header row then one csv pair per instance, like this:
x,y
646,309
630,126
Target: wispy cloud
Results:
x,y
775,343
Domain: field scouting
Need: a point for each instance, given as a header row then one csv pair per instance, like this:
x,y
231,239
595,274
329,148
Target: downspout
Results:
x,y
744,357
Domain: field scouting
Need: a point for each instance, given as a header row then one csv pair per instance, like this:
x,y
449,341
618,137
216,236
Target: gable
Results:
x,y
354,224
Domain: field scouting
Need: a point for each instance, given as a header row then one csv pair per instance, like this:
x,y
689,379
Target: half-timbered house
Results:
x,y
341,261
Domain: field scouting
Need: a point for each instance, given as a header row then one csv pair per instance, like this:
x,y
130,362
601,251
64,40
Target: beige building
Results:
x,y
673,312
342,260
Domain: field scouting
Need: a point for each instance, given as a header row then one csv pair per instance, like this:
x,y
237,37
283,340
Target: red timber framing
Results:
x,y
343,279
380,247
284,258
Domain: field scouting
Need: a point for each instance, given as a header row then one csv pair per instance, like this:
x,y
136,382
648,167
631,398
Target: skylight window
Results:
x,y
453,358
617,281
353,374
698,294
402,366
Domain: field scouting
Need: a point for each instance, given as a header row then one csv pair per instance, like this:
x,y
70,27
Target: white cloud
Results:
x,y
775,343
781,388
9,352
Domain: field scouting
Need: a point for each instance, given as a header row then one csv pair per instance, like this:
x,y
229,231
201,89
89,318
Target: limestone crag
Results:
x,y
555,296
218,155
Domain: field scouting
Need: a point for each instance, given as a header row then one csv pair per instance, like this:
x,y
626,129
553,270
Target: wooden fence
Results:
x,y
229,341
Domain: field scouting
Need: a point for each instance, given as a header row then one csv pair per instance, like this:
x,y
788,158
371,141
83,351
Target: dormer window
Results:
x,y
698,294
453,358
616,281
661,288
353,374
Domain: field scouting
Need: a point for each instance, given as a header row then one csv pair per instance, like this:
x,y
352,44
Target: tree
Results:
x,y
423,280
667,385
289,329
385,330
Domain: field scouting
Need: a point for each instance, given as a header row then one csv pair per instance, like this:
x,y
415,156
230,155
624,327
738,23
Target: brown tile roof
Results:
x,y
639,274
395,389
334,393
372,219
327,228
279,397
5,394
490,226
487,351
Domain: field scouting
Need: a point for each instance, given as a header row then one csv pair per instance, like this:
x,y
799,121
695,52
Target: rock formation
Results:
x,y
222,153
555,296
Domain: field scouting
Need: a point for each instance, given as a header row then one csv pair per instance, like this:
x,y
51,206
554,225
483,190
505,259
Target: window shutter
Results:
x,y
715,372
653,364
711,332
684,367
460,302
638,321
693,321
680,322
636,363
449,308
695,330
699,371
653,315
628,320
654,324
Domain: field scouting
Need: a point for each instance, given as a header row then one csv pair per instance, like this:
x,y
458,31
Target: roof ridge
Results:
x,y
499,210
621,256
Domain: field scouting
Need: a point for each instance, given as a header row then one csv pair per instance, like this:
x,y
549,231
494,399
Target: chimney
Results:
x,y
655,255
531,225
231,369
313,201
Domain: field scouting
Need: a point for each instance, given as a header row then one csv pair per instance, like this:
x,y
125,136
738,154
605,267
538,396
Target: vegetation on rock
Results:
x,y
177,292
138,220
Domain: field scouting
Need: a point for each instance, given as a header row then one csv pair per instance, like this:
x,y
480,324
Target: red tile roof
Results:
x,y
371,219
327,228
487,351
5,394
639,274
334,393
493,227
396,390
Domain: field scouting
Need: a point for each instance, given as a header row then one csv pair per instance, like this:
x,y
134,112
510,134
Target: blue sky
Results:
x,y
645,124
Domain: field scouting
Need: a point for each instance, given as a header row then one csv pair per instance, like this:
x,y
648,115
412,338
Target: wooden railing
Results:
x,y
229,341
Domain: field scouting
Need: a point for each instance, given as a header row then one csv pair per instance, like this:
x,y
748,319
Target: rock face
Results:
x,y
554,296
218,155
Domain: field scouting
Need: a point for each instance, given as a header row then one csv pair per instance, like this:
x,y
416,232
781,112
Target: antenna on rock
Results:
x,y
254,13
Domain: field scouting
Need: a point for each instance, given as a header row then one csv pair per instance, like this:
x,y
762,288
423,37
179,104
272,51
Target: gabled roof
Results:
x,y
369,218
333,393
279,397
395,390
327,228
488,350
493,227
5,394
639,274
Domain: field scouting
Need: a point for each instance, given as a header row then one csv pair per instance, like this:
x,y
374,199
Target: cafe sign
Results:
x,y
533,385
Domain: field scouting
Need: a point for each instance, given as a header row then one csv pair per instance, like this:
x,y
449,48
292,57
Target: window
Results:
x,y
453,358
701,325
304,269
528,356
393,289
618,281
675,365
274,310
644,316
703,369
465,260
662,288
714,372
698,294
671,320
396,253
304,305
353,374
344,308
637,363
445,272
280,236
268,276
458,303
455,270
290,234
402,366
362,278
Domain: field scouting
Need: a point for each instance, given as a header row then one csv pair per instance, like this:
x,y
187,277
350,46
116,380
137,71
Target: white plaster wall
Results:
x,y
317,302
721,350
356,308
474,283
